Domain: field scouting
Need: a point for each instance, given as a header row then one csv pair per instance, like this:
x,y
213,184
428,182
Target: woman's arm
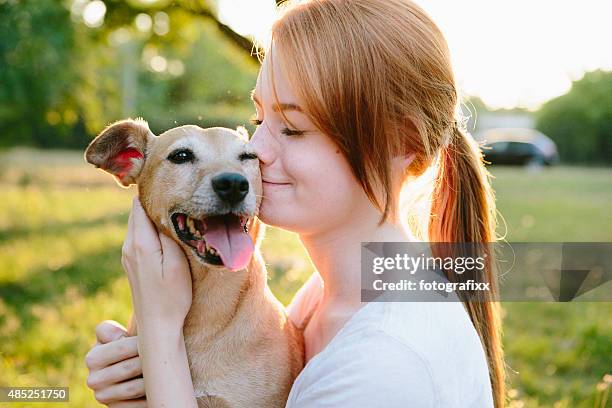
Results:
x,y
165,367
160,281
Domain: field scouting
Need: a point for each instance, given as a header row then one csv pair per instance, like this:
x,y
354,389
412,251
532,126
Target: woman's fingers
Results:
x,y
129,236
113,365
119,392
109,330
173,256
116,373
104,355
144,231
176,278
137,403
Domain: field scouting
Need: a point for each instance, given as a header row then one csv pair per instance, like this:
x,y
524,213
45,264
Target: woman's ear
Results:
x,y
402,163
408,159
120,149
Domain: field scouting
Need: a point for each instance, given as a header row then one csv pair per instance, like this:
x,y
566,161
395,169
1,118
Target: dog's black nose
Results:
x,y
230,187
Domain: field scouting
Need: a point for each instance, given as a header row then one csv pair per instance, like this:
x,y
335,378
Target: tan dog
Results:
x,y
203,188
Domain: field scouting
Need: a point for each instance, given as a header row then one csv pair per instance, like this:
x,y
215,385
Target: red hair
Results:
x,y
375,76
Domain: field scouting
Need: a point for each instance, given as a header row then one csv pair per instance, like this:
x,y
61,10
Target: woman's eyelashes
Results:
x,y
285,130
291,132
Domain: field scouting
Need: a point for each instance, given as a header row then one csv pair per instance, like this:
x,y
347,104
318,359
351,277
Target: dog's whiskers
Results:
x,y
266,197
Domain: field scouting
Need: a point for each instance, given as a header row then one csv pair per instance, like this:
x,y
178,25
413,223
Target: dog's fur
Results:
x,y
243,351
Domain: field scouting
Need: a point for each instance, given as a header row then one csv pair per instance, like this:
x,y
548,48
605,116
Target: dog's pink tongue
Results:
x,y
230,240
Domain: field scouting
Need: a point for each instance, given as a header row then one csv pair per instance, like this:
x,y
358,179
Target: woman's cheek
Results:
x,y
323,187
331,191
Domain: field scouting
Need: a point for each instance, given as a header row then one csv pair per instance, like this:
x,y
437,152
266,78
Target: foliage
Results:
x,y
580,122
63,81
36,56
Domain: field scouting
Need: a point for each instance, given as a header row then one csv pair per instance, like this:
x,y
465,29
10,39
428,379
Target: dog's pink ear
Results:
x,y
120,149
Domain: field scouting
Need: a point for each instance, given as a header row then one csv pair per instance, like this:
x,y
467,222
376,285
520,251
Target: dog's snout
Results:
x,y
230,187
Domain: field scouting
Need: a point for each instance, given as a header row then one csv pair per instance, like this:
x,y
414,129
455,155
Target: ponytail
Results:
x,y
463,211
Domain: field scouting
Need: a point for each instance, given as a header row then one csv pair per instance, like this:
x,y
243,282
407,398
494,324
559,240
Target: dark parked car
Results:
x,y
516,146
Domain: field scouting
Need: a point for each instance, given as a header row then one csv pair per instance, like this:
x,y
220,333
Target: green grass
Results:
x,y
62,224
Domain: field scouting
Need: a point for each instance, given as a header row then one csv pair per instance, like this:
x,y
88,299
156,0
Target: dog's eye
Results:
x,y
181,156
247,156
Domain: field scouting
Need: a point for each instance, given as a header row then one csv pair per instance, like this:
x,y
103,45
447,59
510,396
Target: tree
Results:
x,y
580,122
37,41
62,81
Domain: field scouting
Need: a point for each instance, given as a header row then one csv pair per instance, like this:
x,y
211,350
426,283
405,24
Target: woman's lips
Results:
x,y
274,184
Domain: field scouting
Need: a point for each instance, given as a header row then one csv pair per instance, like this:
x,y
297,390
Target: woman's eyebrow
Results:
x,y
278,106
286,107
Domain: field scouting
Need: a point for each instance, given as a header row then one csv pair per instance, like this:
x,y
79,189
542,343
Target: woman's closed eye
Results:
x,y
291,132
285,130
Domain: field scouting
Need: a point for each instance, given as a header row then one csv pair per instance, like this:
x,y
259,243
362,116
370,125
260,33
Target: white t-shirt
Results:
x,y
394,354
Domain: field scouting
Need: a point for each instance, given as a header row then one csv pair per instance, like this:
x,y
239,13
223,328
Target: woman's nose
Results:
x,y
262,143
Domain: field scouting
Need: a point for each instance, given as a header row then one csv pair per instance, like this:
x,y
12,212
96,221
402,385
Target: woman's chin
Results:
x,y
266,215
275,217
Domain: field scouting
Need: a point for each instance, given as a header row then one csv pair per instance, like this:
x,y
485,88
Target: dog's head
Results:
x,y
200,186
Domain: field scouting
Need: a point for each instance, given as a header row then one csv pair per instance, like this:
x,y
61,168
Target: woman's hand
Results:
x,y
158,272
160,280
114,366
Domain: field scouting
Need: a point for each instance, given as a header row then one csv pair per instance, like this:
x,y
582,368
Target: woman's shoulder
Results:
x,y
305,300
413,354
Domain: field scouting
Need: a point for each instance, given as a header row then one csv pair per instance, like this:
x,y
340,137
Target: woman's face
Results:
x,y
308,185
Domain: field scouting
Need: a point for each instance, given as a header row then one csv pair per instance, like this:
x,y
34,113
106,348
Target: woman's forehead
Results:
x,y
271,77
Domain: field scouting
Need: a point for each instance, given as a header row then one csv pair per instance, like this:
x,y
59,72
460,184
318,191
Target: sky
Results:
x,y
510,53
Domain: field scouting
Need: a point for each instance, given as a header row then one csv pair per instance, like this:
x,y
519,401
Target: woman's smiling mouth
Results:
x,y
267,183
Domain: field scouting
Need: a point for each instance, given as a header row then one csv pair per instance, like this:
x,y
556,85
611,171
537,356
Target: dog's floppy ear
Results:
x,y
120,149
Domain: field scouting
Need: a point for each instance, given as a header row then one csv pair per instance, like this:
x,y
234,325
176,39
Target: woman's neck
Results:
x,y
336,254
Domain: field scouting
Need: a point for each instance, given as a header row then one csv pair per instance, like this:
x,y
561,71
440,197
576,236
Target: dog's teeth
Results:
x,y
190,225
201,225
181,222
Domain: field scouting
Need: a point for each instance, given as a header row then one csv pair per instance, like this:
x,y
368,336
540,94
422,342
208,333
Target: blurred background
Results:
x,y
537,84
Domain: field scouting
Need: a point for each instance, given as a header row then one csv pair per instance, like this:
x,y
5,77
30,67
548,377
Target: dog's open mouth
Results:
x,y
218,240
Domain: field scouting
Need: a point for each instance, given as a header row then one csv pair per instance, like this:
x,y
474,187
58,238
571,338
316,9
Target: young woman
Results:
x,y
354,99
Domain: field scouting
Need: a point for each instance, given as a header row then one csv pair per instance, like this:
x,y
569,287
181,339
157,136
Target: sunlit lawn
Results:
x,y
62,224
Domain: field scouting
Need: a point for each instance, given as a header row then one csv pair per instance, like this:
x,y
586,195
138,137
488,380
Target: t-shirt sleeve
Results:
x,y
376,370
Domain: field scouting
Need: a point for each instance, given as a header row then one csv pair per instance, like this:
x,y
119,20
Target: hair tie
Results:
x,y
449,134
